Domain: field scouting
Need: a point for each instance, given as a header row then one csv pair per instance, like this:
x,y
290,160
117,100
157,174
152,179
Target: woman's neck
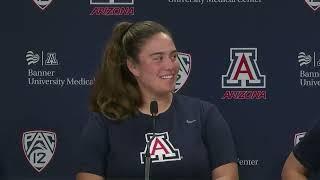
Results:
x,y
164,103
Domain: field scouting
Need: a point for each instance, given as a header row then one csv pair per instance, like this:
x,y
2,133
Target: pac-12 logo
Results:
x,y
42,4
313,4
39,148
161,149
184,71
243,70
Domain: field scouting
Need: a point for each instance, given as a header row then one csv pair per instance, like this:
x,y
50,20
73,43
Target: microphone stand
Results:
x,y
147,167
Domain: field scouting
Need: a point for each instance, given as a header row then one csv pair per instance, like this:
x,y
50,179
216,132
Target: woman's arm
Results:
x,y
293,169
226,172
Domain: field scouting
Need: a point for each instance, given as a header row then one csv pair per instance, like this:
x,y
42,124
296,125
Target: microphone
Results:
x,y
153,112
153,108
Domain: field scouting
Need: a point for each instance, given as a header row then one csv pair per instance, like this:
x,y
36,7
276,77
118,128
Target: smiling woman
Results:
x,y
140,66
157,68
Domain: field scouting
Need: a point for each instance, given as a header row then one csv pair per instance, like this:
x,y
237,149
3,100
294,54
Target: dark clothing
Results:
x,y
192,139
308,150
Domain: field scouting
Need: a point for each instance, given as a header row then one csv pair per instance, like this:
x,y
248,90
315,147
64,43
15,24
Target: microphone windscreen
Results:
x,y
153,107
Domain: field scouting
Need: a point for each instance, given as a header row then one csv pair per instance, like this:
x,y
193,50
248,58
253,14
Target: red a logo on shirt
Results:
x,y
161,149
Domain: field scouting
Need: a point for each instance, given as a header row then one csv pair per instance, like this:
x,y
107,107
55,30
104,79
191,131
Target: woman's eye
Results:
x,y
174,57
159,58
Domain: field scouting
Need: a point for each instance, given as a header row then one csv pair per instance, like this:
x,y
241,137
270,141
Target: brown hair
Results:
x,y
116,93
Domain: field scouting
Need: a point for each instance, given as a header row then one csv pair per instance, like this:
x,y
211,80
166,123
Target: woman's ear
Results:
x,y
132,66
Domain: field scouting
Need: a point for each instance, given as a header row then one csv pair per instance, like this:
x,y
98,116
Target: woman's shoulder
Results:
x,y
197,108
99,119
104,120
193,102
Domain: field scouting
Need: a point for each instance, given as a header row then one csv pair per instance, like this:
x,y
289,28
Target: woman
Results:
x,y
191,138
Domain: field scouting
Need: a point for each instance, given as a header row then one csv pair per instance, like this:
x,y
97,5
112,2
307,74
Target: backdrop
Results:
x,y
257,60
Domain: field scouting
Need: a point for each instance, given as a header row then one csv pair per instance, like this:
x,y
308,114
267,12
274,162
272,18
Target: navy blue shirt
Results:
x,y
308,150
192,139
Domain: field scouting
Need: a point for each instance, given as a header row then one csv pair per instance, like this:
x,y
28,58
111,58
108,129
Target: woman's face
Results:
x,y
157,69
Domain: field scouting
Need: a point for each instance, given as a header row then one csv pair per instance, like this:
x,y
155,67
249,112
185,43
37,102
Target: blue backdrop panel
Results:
x,y
50,64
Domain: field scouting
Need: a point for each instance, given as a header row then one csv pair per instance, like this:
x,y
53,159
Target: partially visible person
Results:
x,y
192,140
305,157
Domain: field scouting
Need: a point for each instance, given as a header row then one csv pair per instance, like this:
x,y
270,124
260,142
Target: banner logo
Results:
x,y
309,69
304,59
34,58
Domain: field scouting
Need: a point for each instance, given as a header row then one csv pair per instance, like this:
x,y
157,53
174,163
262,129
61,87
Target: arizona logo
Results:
x,y
39,148
112,7
184,71
313,4
243,73
42,4
161,149
112,2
